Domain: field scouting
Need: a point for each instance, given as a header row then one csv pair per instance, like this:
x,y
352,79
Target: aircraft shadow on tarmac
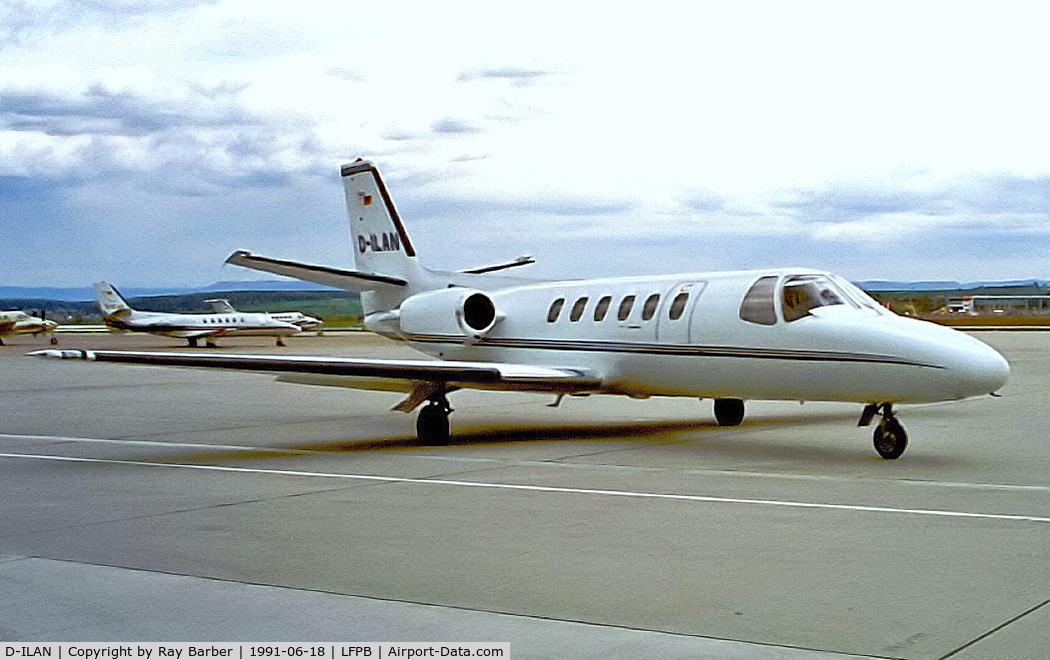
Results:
x,y
789,443
521,431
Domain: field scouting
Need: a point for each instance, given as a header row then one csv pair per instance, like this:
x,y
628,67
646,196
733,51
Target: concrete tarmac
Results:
x,y
155,504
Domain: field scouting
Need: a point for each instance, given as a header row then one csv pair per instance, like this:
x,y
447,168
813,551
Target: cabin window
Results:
x,y
602,308
649,309
758,306
678,305
555,310
625,308
805,292
577,309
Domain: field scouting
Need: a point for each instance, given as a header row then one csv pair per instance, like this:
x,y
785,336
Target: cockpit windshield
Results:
x,y
858,297
805,292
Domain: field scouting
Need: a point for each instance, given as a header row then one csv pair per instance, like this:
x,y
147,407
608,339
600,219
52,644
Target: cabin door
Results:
x,y
676,313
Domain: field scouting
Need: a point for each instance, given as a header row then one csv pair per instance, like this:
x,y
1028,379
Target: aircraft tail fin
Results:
x,y
110,301
380,243
220,306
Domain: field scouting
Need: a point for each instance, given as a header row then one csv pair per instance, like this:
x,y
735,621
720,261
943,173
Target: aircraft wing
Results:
x,y
390,375
187,334
339,278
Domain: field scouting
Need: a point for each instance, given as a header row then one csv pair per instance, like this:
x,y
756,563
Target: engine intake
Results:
x,y
468,313
478,312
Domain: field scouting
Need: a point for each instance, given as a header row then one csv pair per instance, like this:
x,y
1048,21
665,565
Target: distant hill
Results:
x,y
950,285
87,294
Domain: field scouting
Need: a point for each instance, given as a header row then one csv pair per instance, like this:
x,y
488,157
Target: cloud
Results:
x,y
1004,193
22,21
475,208
188,139
844,203
519,76
196,114
350,75
100,111
705,202
451,126
899,211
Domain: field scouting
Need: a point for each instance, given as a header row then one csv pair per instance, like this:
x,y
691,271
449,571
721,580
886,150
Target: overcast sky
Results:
x,y
142,142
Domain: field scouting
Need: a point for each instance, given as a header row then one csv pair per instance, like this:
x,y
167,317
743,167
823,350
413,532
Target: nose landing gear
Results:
x,y
890,438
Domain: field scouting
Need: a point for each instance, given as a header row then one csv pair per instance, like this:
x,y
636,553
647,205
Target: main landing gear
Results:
x,y
432,423
729,412
890,438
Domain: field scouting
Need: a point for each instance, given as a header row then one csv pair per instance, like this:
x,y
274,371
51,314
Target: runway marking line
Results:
x,y
547,489
152,443
555,463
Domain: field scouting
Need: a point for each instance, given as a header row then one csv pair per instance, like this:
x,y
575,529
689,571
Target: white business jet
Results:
x,y
302,321
116,313
19,323
779,334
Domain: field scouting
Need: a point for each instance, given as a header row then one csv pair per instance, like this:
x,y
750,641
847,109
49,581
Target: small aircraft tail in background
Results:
x,y
110,302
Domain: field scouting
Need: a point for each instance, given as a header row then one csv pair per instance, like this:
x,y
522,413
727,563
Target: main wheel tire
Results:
x,y
890,438
432,426
729,412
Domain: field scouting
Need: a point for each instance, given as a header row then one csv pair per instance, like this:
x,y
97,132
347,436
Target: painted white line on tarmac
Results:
x,y
152,443
548,489
1034,488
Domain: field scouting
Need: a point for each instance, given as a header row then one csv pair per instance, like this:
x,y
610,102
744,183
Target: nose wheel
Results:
x,y
890,439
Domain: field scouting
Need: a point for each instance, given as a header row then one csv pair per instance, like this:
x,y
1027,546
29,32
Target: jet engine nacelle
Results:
x,y
466,312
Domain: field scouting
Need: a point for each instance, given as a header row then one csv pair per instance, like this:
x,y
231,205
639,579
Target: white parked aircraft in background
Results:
x,y
781,334
304,322
19,323
119,315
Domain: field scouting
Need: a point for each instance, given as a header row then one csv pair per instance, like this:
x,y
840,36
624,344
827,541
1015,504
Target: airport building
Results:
x,y
1007,305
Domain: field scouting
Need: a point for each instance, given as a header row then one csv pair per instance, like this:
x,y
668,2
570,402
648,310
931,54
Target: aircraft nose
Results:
x,y
993,369
963,365
979,369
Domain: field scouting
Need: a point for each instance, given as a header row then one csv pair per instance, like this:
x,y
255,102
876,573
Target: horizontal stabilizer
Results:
x,y
481,375
349,280
524,260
